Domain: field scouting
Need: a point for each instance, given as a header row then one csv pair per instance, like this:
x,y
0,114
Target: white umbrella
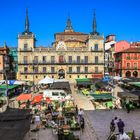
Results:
x,y
117,78
61,80
19,82
46,80
2,81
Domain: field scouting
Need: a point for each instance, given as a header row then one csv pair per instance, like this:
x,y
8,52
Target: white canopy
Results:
x,y
19,82
61,80
46,80
2,81
117,78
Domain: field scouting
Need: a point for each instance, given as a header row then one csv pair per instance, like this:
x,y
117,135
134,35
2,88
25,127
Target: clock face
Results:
x,y
61,46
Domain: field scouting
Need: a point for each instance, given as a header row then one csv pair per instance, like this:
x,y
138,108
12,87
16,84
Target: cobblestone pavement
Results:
x,y
100,120
43,134
85,103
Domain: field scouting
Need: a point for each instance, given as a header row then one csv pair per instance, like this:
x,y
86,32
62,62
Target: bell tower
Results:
x,y
26,40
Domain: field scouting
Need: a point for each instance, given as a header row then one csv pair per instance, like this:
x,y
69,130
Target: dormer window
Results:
x,y
26,47
96,47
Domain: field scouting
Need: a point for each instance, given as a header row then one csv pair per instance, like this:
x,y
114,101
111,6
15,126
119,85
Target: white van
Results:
x,y
54,94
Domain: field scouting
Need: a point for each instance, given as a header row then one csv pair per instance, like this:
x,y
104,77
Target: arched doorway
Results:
x,y
128,74
135,74
61,74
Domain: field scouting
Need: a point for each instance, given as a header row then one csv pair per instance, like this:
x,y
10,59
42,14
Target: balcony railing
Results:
x,y
32,73
83,72
62,63
127,68
25,50
97,50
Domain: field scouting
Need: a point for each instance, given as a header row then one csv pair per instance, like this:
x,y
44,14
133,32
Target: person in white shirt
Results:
x,y
37,120
80,113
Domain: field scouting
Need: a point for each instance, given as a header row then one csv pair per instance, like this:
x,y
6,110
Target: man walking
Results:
x,y
121,126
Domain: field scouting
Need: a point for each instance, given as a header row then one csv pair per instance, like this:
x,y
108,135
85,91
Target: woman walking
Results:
x,y
112,126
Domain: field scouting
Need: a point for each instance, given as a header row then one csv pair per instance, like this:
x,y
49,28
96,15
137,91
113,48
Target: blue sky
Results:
x,y
120,17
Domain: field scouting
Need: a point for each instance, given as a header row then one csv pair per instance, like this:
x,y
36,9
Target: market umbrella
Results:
x,y
37,99
46,80
24,97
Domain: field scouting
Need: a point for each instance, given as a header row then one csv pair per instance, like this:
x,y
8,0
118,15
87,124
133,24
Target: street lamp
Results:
x,y
33,77
6,92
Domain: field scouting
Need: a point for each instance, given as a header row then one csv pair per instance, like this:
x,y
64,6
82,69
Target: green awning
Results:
x,y
102,96
9,86
83,80
135,83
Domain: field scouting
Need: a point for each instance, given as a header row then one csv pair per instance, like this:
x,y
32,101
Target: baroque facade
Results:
x,y
72,55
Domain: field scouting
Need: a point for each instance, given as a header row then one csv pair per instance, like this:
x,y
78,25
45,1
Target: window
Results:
x,y
86,59
44,58
61,59
86,69
70,59
62,94
70,69
96,69
25,77
52,69
52,76
26,47
36,77
52,59
135,65
128,65
44,69
69,76
78,69
36,59
85,76
78,59
36,69
55,93
44,76
78,76
96,47
128,56
135,56
96,59
25,59
25,69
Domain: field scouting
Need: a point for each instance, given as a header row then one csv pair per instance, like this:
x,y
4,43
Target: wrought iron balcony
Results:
x,y
84,72
33,73
25,50
62,63
97,50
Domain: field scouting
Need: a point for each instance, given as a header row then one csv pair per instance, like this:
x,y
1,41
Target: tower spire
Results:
x,y
94,25
69,25
5,45
27,22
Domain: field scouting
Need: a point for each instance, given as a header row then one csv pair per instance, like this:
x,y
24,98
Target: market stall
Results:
x,y
102,101
84,82
11,89
133,97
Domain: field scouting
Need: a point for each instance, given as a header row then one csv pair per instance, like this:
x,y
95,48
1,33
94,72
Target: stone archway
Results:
x,y
61,74
128,74
135,74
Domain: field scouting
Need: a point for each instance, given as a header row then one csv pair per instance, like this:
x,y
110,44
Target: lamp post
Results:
x,y
33,78
6,92
6,68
